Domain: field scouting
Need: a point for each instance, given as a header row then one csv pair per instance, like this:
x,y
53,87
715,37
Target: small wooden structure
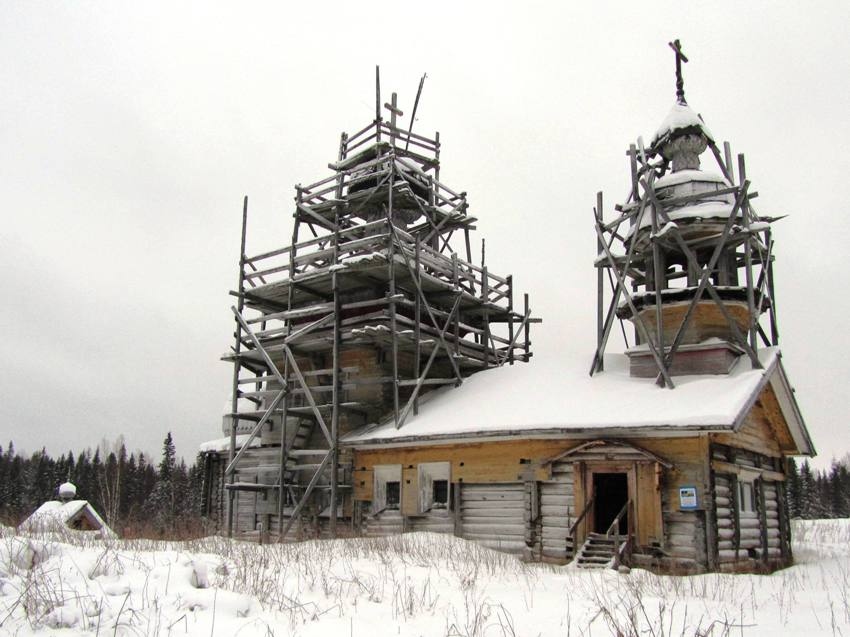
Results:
x,y
66,514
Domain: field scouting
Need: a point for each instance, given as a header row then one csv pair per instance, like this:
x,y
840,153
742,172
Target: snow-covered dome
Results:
x,y
680,118
67,491
682,137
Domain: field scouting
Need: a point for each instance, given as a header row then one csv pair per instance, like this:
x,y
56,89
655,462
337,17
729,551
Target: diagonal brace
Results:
x,y
275,402
431,358
308,395
301,504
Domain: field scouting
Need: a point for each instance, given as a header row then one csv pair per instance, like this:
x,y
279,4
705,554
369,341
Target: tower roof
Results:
x,y
681,120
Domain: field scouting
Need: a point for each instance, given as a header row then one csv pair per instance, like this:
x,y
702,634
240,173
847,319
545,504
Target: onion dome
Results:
x,y
67,491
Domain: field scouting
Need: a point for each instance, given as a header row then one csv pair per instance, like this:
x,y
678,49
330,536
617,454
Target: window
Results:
x,y
746,497
386,487
393,495
440,498
434,485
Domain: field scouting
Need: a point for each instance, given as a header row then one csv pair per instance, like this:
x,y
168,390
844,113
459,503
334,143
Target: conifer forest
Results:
x,y
137,495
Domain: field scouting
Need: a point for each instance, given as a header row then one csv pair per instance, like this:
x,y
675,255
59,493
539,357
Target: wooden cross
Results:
x,y
395,111
680,83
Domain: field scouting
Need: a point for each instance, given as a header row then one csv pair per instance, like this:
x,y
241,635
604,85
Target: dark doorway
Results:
x,y
611,491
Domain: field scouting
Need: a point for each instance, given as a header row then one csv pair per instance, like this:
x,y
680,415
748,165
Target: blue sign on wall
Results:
x,y
688,498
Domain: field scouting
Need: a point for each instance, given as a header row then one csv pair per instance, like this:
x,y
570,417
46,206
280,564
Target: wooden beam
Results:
x,y
726,467
269,411
308,394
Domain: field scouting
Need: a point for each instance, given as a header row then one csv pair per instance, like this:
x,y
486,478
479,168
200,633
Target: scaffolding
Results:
x,y
353,324
684,249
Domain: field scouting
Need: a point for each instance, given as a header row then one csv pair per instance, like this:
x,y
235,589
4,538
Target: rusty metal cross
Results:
x,y
680,83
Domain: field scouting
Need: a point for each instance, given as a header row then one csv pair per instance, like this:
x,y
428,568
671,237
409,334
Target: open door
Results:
x,y
611,493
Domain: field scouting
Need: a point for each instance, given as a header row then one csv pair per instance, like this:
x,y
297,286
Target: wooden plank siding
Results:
x,y
506,461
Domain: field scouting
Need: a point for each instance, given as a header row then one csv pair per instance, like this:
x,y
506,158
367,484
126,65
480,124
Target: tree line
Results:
x,y
136,496
140,498
819,494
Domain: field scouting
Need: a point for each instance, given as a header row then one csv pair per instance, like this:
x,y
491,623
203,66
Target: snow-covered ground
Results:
x,y
416,584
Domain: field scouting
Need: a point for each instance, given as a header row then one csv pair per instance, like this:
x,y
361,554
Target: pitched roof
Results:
x,y
55,516
558,397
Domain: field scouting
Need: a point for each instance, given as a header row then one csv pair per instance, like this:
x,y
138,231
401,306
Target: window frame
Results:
x,y
382,474
746,496
428,473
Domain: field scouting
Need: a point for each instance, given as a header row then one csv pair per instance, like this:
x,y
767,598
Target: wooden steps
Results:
x,y
597,551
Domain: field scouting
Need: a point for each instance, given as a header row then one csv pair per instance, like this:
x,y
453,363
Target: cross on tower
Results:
x,y
395,111
680,83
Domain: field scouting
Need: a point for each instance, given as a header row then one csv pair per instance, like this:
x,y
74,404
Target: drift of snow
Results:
x,y
413,584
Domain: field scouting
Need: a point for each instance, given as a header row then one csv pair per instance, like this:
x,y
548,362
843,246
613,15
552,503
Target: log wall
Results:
x,y
557,514
756,539
540,496
494,515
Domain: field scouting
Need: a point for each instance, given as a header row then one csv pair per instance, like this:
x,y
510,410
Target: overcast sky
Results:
x,y
131,131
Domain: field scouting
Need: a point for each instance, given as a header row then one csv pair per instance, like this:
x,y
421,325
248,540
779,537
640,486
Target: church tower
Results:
x,y
376,301
687,256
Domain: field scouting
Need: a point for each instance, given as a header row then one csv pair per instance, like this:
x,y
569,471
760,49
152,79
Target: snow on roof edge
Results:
x,y
223,444
523,401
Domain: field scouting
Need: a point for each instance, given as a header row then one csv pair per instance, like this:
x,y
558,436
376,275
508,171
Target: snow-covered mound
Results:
x,y
415,584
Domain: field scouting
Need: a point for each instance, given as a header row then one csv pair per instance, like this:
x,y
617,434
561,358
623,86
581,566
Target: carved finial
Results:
x,y
680,83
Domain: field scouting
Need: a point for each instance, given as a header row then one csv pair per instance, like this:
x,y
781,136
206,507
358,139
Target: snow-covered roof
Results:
x,y
683,176
714,210
223,444
56,516
558,397
681,116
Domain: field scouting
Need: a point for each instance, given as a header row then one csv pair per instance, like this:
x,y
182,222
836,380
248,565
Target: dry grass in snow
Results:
x,y
415,584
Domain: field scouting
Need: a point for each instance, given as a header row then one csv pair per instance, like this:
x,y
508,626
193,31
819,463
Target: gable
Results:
x,y
771,424
604,450
782,407
758,432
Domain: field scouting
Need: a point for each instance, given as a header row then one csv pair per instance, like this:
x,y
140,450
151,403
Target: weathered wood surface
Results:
x,y
557,509
387,522
757,434
505,531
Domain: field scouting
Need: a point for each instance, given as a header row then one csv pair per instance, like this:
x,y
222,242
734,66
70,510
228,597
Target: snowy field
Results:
x,y
416,584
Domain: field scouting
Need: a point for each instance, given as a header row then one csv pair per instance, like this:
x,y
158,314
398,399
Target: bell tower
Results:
x,y
687,258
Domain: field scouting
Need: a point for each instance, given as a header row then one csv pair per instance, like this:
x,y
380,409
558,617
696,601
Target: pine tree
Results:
x,y
16,487
807,491
793,492
38,487
5,483
163,499
839,498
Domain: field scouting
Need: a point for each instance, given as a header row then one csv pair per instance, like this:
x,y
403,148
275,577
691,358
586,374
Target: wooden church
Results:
x,y
357,407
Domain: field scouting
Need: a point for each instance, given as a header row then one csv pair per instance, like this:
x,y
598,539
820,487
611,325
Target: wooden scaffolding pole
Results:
x,y
337,336
237,363
283,487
